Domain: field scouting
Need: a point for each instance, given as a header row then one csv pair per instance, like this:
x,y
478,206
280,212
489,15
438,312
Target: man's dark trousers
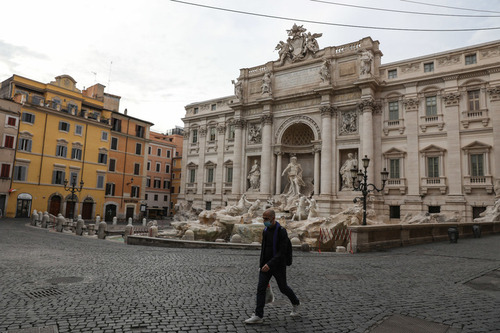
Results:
x,y
279,274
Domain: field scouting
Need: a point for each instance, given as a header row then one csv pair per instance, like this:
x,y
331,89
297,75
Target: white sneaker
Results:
x,y
295,310
254,319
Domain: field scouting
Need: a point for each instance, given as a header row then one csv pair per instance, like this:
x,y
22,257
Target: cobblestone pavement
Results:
x,y
79,284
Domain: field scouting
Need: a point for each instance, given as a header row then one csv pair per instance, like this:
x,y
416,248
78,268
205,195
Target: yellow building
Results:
x,y
62,148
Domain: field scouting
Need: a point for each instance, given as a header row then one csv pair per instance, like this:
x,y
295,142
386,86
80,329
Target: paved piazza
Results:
x,y
66,283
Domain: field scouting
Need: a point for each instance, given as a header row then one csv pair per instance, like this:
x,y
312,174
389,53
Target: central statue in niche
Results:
x,y
295,181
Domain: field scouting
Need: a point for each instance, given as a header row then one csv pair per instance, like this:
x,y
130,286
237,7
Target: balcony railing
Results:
x,y
478,182
396,124
430,121
396,184
433,183
471,116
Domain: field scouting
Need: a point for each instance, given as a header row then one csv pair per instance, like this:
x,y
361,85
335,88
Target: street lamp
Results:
x,y
360,183
72,189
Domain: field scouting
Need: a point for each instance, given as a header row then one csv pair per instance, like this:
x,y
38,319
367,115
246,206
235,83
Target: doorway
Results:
x,y
87,207
23,208
110,213
55,205
130,213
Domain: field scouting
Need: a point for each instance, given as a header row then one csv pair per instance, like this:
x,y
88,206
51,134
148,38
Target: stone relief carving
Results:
x,y
202,131
221,128
492,52
410,67
348,123
494,93
266,86
298,45
449,60
238,89
324,72
366,63
254,135
451,99
254,176
411,104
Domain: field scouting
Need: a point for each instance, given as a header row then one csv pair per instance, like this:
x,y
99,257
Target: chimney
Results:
x,y
125,111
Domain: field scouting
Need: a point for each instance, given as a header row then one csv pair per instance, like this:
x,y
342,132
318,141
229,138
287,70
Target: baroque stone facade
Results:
x,y
433,122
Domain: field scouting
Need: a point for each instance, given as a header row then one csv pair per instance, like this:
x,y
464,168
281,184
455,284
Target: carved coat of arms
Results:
x,y
298,45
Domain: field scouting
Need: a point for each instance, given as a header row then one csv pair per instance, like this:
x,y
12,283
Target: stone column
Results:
x,y
412,171
279,157
494,104
326,152
238,151
219,176
265,168
200,177
316,169
366,134
185,149
452,121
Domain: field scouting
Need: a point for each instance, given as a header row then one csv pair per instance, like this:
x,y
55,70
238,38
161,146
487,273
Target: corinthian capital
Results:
x,y
266,119
327,110
239,123
367,105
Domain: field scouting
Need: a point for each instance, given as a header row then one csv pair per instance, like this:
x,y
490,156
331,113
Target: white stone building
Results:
x,y
432,121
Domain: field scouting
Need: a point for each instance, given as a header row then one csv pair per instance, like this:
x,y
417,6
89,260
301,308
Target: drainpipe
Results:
x,y
43,150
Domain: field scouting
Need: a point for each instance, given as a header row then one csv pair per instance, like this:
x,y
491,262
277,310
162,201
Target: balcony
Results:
x,y
478,182
427,183
474,116
431,121
209,188
396,184
227,187
191,188
393,125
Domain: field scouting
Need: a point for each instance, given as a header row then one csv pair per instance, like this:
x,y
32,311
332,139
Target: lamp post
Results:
x,y
360,183
72,189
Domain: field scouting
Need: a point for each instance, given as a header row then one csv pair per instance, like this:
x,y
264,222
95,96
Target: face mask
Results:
x,y
267,223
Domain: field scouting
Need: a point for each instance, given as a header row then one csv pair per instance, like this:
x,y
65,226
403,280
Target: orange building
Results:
x,y
159,170
177,136
126,177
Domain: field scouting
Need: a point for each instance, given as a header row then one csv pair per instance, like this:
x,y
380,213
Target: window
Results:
x,y
76,154
11,121
434,209
208,205
28,118
149,150
194,139
138,149
134,192
165,198
433,167
102,158
431,106
104,136
172,190
212,133
100,181
167,168
429,67
156,197
20,172
195,110
395,212
148,182
114,143
213,107
231,132
173,176
394,168
8,141
477,165
61,150
392,74
158,152
192,175
110,189
137,169
73,177
210,175
473,97
24,144
148,167
78,129
470,59
229,175
117,125
58,177
146,196
139,131
393,110
5,171
158,167
157,183
168,153
112,164
63,126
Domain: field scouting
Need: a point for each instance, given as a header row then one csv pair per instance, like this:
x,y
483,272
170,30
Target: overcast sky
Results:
x,y
161,55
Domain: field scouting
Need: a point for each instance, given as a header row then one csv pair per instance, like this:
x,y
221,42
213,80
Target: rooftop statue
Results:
x,y
298,45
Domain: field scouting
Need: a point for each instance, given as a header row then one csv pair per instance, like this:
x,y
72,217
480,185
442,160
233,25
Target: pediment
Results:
x,y
432,149
394,151
476,145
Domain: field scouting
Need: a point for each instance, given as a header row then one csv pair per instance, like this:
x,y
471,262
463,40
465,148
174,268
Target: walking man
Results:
x,y
272,263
